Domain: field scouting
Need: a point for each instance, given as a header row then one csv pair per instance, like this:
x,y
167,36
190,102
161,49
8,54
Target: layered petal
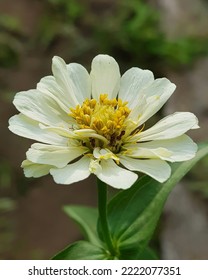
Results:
x,y
169,127
178,149
116,176
80,81
133,83
72,172
155,168
57,156
69,133
75,134
70,86
136,151
28,128
35,170
151,100
62,78
105,76
49,86
40,107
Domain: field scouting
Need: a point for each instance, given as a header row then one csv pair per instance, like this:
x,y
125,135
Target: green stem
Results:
x,y
102,208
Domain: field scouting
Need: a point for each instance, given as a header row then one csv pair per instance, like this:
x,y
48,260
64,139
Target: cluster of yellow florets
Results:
x,y
106,116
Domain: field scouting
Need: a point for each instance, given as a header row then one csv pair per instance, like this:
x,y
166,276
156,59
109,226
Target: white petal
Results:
x,y
35,170
80,81
73,79
40,107
74,134
28,128
133,82
59,130
136,151
105,76
49,86
155,168
177,149
169,127
62,78
104,154
152,99
72,172
116,176
90,133
58,156
95,166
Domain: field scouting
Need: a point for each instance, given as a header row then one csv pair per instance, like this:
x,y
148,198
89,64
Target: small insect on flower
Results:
x,y
94,123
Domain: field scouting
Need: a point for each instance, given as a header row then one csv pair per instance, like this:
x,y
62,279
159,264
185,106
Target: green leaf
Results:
x,y
148,254
86,218
137,253
7,204
82,250
133,214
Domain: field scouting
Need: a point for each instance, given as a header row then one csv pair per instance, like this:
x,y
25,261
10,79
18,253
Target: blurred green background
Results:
x,y
168,37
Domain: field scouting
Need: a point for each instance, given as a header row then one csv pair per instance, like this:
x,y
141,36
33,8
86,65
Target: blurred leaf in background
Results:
x,y
128,30
10,43
5,175
134,31
60,22
198,182
7,206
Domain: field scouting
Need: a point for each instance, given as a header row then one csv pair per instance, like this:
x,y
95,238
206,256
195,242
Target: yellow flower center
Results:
x,y
106,116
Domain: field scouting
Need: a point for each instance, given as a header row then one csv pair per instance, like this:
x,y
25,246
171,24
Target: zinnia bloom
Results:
x,y
95,123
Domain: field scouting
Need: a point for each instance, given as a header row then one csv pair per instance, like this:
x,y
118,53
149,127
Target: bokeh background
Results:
x,y
170,37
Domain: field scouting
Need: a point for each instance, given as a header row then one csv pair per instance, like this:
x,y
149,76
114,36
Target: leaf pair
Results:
x,y
132,216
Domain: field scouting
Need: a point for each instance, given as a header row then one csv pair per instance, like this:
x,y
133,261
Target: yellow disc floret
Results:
x,y
106,116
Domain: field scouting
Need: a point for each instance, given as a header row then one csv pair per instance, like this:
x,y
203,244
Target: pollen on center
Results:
x,y
106,116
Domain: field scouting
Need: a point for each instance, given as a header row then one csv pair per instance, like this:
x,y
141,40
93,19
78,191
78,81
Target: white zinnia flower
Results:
x,y
94,123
